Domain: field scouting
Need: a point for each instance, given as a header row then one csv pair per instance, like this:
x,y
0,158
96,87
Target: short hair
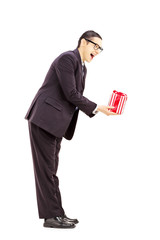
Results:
x,y
89,35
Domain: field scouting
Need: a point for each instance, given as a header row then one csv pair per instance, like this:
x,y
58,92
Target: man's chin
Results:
x,y
89,60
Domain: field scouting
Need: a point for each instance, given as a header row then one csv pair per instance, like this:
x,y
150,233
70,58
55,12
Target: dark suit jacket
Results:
x,y
56,105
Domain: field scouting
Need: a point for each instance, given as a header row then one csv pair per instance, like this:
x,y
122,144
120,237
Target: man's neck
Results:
x,y
81,55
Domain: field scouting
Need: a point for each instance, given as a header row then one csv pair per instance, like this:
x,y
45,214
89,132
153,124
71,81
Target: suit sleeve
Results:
x,y
65,69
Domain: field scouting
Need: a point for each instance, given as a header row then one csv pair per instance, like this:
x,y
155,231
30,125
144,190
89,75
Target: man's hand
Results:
x,y
105,109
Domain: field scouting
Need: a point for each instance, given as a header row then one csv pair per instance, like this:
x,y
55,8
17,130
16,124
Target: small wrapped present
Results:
x,y
118,100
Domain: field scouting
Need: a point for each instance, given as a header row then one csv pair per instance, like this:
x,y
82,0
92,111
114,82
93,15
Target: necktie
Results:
x,y
82,70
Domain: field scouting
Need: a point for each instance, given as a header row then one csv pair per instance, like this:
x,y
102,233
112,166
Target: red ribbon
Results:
x,y
117,101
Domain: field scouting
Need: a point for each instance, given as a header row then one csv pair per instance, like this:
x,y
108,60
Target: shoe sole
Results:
x,y
51,226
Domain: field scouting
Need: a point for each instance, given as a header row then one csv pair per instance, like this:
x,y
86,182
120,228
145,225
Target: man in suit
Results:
x,y
53,115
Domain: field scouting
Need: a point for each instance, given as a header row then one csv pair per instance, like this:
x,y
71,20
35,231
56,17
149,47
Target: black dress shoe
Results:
x,y
57,222
69,220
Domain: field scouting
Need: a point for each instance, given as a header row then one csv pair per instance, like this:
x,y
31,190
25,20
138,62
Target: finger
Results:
x,y
112,113
110,107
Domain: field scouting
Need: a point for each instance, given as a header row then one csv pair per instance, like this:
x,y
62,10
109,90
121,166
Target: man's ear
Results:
x,y
83,42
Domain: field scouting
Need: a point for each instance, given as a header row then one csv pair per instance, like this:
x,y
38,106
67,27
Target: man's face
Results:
x,y
90,50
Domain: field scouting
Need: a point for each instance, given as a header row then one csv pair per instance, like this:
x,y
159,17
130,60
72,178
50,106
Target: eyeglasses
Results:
x,y
96,46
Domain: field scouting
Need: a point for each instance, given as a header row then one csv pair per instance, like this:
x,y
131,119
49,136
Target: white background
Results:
x,y
110,172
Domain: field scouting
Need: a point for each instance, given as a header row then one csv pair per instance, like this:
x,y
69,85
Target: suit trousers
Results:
x,y
45,153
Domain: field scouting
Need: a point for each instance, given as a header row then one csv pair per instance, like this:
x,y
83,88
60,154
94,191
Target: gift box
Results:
x,y
118,100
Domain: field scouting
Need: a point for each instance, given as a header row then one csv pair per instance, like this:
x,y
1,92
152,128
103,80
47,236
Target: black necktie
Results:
x,y
83,70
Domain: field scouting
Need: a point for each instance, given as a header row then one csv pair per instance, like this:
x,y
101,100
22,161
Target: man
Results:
x,y
53,115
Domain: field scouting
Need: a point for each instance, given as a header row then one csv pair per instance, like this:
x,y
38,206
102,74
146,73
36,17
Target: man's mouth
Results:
x,y
92,56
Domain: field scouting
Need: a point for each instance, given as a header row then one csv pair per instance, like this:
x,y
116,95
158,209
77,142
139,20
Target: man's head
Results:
x,y
89,45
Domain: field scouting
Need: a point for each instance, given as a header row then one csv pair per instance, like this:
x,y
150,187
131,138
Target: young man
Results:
x,y
53,115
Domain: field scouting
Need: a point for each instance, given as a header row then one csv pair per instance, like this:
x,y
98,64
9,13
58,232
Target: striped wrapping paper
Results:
x,y
118,100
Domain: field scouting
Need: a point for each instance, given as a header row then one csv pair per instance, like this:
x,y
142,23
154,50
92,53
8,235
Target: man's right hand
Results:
x,y
105,109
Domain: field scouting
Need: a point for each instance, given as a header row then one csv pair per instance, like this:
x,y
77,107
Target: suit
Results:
x,y
56,106
52,115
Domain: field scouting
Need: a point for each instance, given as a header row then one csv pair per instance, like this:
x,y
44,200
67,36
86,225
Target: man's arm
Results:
x,y
65,70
